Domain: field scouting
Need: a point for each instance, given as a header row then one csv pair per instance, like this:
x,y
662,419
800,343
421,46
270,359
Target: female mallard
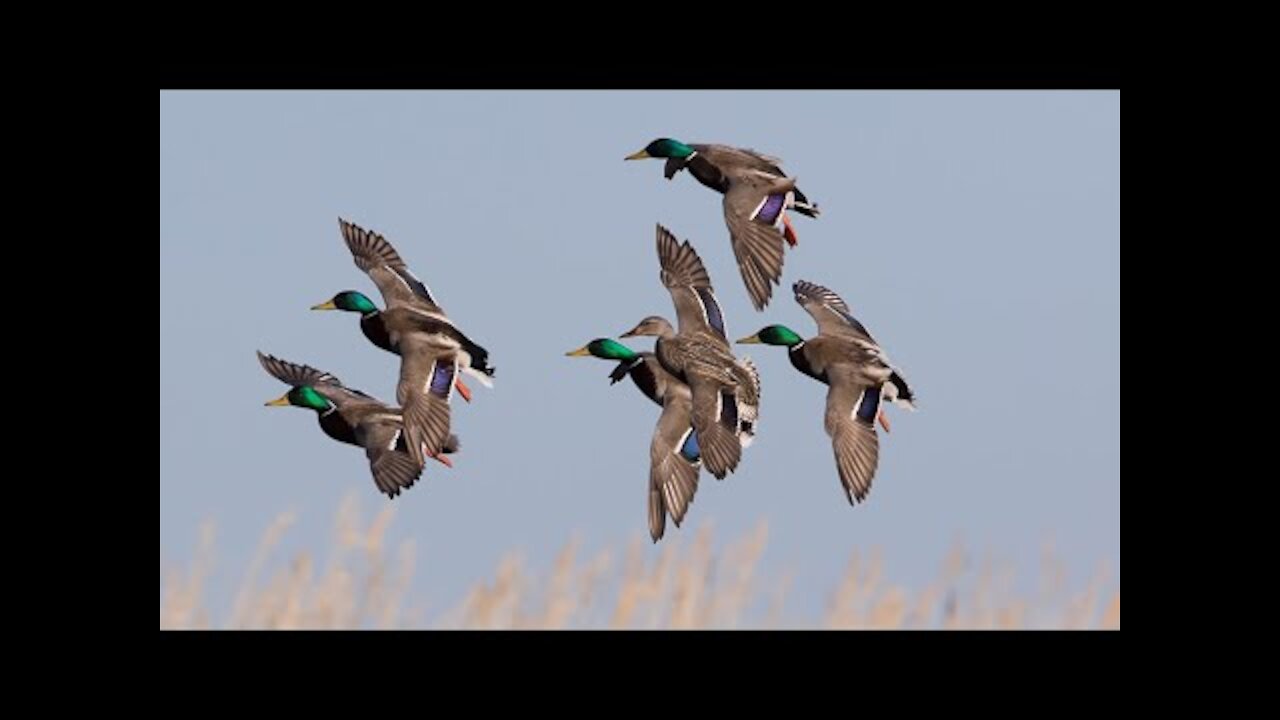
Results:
x,y
350,416
432,349
757,195
674,458
857,373
725,391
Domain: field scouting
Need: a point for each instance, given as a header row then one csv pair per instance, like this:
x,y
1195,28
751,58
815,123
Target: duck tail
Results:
x,y
484,378
804,207
898,392
748,404
479,367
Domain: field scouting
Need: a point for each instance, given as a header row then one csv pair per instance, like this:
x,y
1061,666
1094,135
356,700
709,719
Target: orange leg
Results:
x,y
463,390
443,459
788,232
884,420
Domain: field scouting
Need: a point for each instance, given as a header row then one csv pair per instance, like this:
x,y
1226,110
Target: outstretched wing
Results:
x,y
686,278
294,374
753,211
374,255
324,383
829,311
673,466
427,375
715,420
393,470
851,412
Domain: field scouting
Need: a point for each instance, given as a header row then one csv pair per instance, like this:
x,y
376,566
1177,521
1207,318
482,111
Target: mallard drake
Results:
x,y
757,195
725,391
674,457
350,416
858,376
432,349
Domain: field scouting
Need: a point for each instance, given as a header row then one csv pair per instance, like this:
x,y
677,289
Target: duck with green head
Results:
x,y
757,195
674,455
725,390
858,376
433,351
350,416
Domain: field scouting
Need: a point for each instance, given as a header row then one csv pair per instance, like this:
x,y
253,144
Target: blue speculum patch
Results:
x,y
771,209
869,405
442,378
690,450
728,410
714,317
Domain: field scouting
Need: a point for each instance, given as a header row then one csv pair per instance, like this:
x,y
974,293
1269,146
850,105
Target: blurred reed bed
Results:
x,y
686,586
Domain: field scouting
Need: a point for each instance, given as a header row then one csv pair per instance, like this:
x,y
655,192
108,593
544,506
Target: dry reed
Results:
x,y
684,587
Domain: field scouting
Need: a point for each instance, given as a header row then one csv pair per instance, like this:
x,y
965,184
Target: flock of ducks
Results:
x,y
434,354
710,398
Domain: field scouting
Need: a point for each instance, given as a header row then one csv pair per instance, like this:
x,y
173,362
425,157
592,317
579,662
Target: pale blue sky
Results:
x,y
976,234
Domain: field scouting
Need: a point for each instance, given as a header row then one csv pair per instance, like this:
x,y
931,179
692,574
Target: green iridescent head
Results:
x,y
774,335
662,148
605,349
348,300
303,396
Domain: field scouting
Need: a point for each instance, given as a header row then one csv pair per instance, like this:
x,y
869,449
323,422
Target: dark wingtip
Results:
x,y
802,288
